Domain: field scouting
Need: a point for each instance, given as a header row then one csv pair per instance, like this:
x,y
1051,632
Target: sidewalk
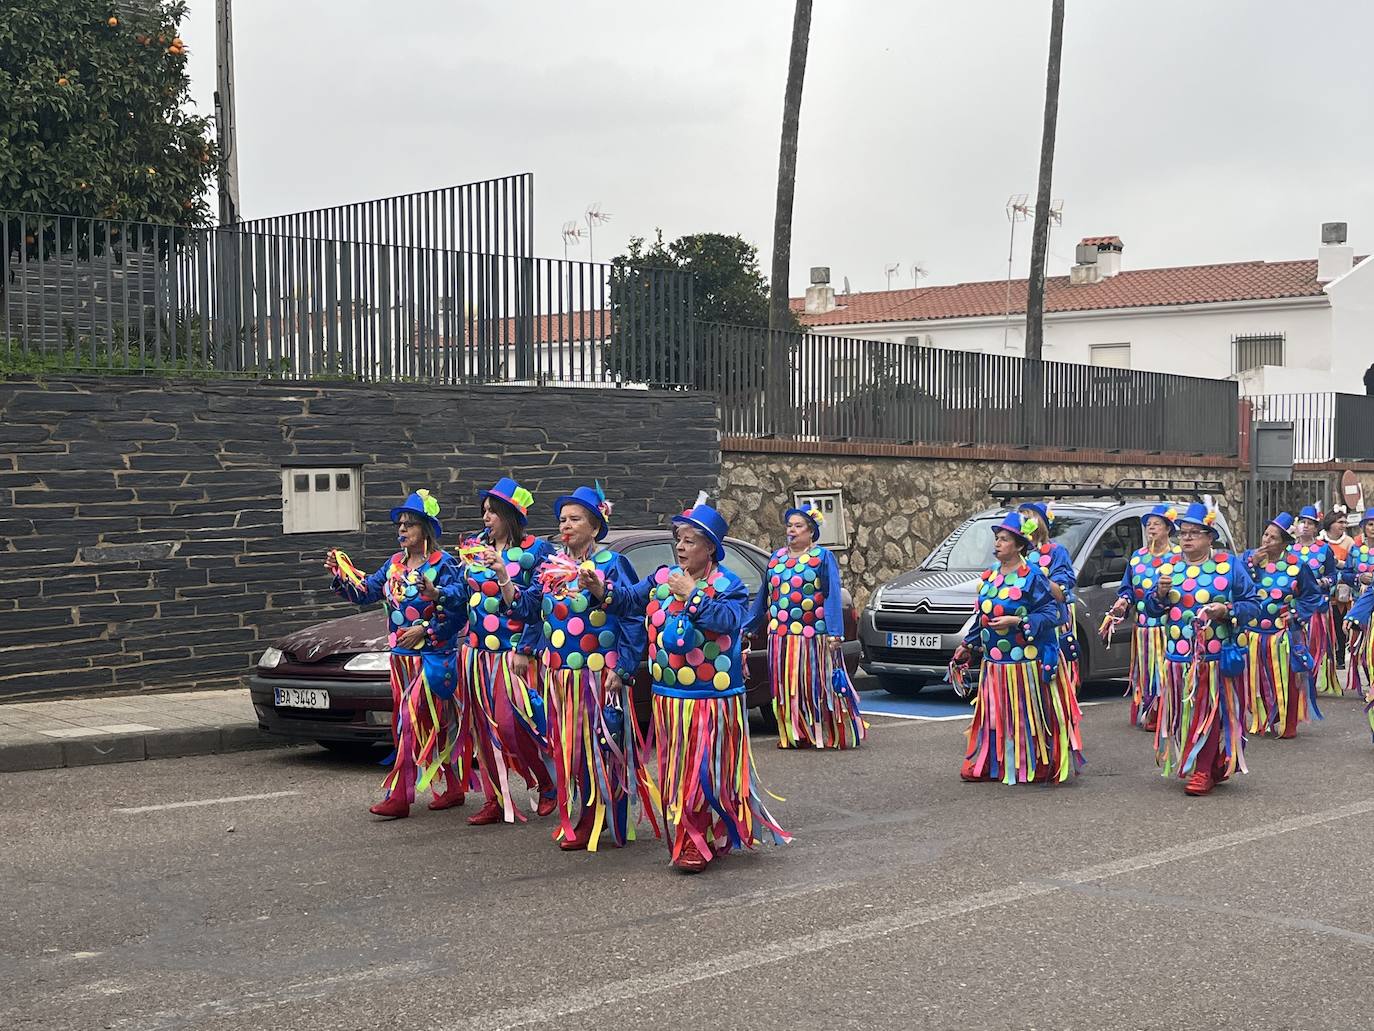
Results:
x,y
126,728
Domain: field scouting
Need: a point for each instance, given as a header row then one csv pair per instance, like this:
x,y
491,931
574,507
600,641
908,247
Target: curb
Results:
x,y
123,748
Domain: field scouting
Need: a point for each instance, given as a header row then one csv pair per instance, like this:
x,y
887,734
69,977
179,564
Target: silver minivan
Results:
x,y
911,625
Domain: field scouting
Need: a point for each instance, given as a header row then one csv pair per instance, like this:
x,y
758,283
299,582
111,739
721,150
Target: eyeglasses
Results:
x,y
403,525
1192,533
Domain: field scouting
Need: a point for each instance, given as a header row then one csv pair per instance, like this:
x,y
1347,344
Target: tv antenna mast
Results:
x,y
595,217
572,234
890,271
918,273
1017,211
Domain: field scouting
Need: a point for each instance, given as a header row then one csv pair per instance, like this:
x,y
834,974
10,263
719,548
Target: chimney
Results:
x,y
820,295
1096,258
1334,258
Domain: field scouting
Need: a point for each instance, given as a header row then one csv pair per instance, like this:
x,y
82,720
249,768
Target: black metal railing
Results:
x,y
84,293
1327,427
495,216
821,387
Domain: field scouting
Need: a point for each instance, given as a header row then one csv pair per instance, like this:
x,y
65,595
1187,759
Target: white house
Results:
x,y
1276,326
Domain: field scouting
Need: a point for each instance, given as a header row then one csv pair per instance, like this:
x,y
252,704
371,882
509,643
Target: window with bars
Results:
x,y
1256,349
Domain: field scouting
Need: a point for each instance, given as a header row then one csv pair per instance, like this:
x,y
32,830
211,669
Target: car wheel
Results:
x,y
905,687
349,749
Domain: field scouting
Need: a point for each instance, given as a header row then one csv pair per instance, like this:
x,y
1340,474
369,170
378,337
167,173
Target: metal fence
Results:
x,y
122,296
826,387
1327,427
495,216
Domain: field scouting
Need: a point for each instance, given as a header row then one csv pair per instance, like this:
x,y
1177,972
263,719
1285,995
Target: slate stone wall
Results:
x,y
141,541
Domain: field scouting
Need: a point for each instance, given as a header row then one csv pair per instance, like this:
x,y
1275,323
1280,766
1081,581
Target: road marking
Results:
x,y
206,801
617,993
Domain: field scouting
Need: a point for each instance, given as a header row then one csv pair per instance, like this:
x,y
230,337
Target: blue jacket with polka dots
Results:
x,y
1024,593
694,646
1220,577
1281,585
489,628
397,588
800,595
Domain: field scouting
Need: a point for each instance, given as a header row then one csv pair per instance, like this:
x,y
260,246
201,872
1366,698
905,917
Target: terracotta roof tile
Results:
x,y
1144,288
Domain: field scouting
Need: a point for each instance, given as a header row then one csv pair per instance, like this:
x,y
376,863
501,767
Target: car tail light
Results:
x,y
271,659
369,662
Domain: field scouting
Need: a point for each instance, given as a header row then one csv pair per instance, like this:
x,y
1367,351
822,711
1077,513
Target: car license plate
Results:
x,y
302,698
923,641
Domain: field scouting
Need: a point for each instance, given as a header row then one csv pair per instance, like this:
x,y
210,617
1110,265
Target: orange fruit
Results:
x,y
62,81
112,22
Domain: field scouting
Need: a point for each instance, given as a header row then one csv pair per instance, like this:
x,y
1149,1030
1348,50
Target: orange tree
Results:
x,y
96,118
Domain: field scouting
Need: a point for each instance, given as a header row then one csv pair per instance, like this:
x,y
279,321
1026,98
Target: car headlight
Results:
x,y
369,662
271,659
876,601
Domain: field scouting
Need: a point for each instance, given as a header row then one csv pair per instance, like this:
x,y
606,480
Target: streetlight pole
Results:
x,y
226,128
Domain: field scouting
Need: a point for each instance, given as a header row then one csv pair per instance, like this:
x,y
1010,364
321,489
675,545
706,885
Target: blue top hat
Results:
x,y
516,496
422,504
1019,526
1044,509
809,511
1367,515
1167,512
708,521
1202,514
1313,512
1284,522
593,499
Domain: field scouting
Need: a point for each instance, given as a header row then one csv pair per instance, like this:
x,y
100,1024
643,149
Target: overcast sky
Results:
x,y
1223,130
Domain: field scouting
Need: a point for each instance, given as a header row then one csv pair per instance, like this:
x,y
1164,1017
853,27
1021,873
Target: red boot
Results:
x,y
968,773
1200,783
489,813
690,859
453,795
394,807
1151,720
548,802
582,833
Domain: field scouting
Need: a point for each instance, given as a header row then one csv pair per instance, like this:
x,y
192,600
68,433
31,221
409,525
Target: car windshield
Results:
x,y
970,546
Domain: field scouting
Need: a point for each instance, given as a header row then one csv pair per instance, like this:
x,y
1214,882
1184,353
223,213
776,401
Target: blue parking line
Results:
x,y
938,702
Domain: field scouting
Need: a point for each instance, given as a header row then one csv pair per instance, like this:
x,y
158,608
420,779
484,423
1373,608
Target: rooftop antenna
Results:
x,y
890,271
595,217
918,273
572,234
1017,211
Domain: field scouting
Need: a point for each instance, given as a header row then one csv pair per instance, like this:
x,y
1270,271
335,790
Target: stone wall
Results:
x,y
899,507
141,540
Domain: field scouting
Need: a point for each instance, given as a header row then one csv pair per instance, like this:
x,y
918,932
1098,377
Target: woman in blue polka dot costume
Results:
x,y
587,659
1206,602
1315,612
427,725
1157,558
814,702
1278,696
1022,727
695,613
505,704
1054,562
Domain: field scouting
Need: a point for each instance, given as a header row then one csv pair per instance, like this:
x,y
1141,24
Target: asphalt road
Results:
x,y
909,899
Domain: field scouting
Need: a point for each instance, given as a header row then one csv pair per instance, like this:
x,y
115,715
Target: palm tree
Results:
x,y
779,316
1035,287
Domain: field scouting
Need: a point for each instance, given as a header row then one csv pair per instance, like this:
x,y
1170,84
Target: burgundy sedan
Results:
x,y
330,682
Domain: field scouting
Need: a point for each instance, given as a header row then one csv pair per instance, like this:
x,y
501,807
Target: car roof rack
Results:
x,y
1010,490
1129,487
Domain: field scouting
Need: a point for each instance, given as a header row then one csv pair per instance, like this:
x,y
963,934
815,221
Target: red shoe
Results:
x,y
690,860
548,802
582,833
966,772
453,796
394,808
489,813
1200,783
1151,721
